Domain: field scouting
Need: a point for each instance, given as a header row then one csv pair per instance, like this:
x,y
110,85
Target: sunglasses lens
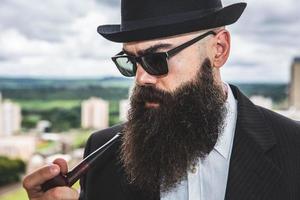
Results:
x,y
125,66
155,64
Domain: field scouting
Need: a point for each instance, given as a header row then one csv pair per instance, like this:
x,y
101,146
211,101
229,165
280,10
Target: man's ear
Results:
x,y
222,48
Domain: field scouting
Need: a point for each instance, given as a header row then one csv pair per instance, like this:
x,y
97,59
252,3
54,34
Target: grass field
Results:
x,y
47,105
20,194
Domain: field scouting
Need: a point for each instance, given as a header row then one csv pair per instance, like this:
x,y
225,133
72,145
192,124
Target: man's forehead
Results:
x,y
149,45
165,43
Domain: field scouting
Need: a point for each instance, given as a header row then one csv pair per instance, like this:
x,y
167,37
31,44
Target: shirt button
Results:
x,y
194,170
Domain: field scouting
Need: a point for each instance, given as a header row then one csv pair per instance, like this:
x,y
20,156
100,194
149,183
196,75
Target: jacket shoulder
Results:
x,y
282,126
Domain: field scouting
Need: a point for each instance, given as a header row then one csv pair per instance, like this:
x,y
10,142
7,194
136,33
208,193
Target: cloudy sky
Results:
x,y
58,38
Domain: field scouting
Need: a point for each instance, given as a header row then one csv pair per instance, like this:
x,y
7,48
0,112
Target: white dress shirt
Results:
x,y
208,179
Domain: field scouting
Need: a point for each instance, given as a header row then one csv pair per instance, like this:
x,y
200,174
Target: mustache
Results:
x,y
151,94
148,93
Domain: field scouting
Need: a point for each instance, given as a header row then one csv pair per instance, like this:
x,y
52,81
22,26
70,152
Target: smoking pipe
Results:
x,y
79,170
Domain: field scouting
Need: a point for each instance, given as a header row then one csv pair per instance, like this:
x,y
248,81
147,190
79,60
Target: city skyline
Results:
x,y
38,39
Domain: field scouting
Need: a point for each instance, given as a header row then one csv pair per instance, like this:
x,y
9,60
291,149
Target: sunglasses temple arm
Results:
x,y
174,51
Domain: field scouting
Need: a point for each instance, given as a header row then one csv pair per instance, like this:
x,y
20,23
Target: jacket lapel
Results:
x,y
252,175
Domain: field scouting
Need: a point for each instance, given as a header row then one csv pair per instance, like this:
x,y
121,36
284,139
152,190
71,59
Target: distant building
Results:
x,y
94,113
18,146
262,101
124,106
43,126
1,118
10,118
294,93
36,161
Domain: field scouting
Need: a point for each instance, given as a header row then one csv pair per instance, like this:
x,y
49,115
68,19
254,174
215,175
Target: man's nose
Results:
x,y
143,78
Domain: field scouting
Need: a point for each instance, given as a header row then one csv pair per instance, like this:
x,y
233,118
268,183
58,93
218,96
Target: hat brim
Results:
x,y
225,16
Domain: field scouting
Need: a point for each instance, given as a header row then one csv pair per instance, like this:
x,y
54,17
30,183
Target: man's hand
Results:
x,y
32,183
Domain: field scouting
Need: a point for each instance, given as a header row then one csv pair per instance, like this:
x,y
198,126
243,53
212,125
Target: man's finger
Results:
x,y
62,164
41,175
62,193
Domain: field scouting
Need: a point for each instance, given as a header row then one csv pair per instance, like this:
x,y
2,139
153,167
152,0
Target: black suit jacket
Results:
x,y
264,164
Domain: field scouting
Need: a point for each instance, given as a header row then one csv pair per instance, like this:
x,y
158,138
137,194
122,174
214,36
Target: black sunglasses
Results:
x,y
153,63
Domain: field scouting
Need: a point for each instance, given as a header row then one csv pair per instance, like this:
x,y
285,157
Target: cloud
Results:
x,y
45,20
112,3
59,41
59,38
267,37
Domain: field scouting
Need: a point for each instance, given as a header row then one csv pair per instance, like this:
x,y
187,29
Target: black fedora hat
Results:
x,y
149,19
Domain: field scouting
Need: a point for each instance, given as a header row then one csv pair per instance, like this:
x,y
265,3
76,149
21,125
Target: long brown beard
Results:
x,y
160,144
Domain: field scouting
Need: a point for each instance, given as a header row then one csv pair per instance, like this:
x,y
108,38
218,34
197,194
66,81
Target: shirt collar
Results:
x,y
224,143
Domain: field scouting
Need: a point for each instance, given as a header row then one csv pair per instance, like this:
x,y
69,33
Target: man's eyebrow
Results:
x,y
151,49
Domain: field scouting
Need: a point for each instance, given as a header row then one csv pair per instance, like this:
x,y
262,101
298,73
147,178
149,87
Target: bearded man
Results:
x,y
189,135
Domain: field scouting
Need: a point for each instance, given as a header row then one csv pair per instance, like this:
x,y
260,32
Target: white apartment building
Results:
x,y
94,113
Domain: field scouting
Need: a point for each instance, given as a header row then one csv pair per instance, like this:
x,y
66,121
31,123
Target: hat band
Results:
x,y
163,20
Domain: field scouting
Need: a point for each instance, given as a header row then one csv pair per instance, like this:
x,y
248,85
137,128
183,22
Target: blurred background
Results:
x,y
58,84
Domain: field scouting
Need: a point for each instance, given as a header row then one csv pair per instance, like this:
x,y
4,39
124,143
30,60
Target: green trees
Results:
x,y
62,119
10,170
